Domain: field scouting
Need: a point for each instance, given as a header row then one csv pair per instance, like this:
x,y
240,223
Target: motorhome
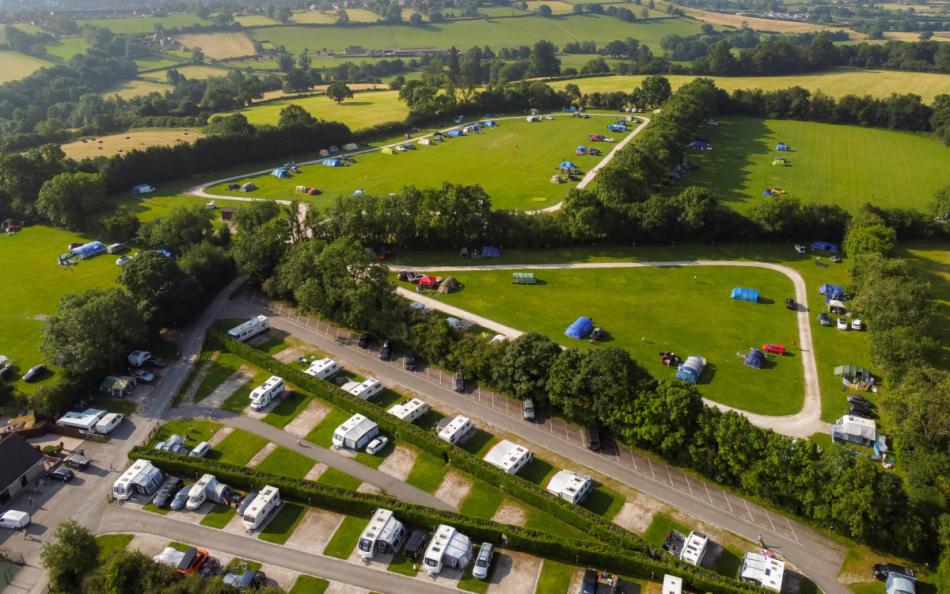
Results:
x,y
355,433
207,489
142,478
367,389
456,430
261,508
409,411
269,391
384,534
250,328
449,548
762,569
694,548
323,369
570,486
108,423
84,421
508,456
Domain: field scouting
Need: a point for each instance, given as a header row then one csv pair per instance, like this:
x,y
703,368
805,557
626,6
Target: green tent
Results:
x,y
523,278
779,162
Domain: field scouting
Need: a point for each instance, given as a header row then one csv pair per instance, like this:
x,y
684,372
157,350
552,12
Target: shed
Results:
x,y
581,327
825,246
523,278
691,369
88,250
22,464
755,359
751,295
117,386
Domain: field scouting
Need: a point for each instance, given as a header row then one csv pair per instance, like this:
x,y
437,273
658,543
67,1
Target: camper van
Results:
x,y
107,423
449,548
266,502
367,389
323,369
456,430
267,392
14,519
409,411
694,548
384,534
249,328
207,489
355,433
142,478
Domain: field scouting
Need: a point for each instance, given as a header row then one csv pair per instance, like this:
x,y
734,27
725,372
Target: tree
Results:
x,y
293,116
208,264
70,556
178,229
303,60
878,238
254,214
73,200
23,174
543,59
338,92
656,90
163,293
285,62
523,369
298,79
342,18
93,331
941,207
230,125
258,249
454,66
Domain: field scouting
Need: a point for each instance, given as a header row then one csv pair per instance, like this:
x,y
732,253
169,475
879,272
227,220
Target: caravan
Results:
x,y
141,478
84,421
207,489
449,548
355,433
267,392
249,328
367,389
384,534
109,422
570,486
323,369
409,411
267,501
456,430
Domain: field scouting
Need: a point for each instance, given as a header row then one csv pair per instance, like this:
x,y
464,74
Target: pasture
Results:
x,y
219,46
362,111
843,165
136,88
836,83
194,72
144,24
106,146
67,47
514,162
14,65
646,311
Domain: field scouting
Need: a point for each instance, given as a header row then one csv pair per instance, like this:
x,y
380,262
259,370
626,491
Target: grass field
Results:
x,y
555,577
144,24
497,33
219,516
844,165
322,434
106,146
674,308
427,472
219,46
513,162
288,408
194,431
14,65
362,111
286,462
66,47
237,448
344,539
194,72
136,88
482,501
837,83
255,20
306,584
332,477
112,543
282,526
933,260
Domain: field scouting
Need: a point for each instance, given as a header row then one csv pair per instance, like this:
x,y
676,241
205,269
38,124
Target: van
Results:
x,y
14,519
527,409
267,392
201,450
116,248
592,439
107,423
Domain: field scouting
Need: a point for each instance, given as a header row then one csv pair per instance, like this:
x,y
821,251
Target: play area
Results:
x,y
662,316
754,160
515,160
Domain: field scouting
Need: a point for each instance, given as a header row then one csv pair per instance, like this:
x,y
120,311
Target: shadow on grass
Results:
x,y
536,471
479,442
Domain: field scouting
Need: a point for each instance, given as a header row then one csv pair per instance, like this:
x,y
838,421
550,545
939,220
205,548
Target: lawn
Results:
x,y
514,162
555,577
144,24
843,165
237,448
837,83
427,472
289,407
14,65
364,110
282,526
332,477
322,434
684,310
537,471
286,462
345,537
112,543
219,369
193,72
404,565
306,584
470,583
241,397
374,460
218,516
31,254
194,431
482,501
660,526
66,47
479,443
604,502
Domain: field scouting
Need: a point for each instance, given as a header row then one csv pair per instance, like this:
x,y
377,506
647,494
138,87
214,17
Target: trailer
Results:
x,y
367,389
84,421
142,478
384,534
269,391
108,423
449,548
261,507
570,486
323,369
250,328
456,430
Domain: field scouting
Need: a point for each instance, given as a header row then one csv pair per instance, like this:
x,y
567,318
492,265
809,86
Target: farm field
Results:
x,y
514,162
194,72
136,88
144,24
14,65
758,24
219,45
67,47
106,146
255,20
837,83
362,111
497,33
649,310
844,165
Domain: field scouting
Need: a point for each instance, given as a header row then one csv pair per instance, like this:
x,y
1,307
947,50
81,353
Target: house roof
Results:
x,y
18,456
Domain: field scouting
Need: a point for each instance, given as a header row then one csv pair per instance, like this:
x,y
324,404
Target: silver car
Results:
x,y
483,561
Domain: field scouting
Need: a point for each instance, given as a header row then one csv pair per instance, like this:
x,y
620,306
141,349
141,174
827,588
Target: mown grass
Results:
x,y
109,544
470,583
479,443
427,472
241,398
194,431
343,541
537,471
290,405
279,529
660,526
237,448
306,584
333,477
218,516
404,565
555,577
286,462
221,366
604,502
482,501
365,110
162,511
322,434
374,460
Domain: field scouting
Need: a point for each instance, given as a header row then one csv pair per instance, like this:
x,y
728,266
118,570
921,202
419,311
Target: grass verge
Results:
x,y
219,516
345,537
282,526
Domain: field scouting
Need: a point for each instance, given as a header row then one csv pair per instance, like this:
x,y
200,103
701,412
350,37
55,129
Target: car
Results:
x,y
527,409
167,492
77,461
592,438
386,351
364,341
117,248
123,260
824,319
249,580
790,304
857,324
61,473
483,561
800,248
138,358
881,570
180,499
597,334
6,367
458,383
375,446
589,582
860,400
143,375
835,259
842,323
410,363
34,373
775,349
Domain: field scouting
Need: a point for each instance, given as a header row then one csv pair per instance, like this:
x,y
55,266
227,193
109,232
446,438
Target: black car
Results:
x,y
790,304
824,319
855,399
364,341
409,363
592,438
165,494
881,570
415,544
34,373
459,382
61,473
589,583
386,351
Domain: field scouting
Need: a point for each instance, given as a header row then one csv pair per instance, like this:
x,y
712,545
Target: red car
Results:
x,y
775,349
313,191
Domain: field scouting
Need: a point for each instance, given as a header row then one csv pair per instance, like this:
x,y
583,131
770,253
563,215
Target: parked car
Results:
x,y
376,446
592,438
386,351
857,324
249,580
61,473
589,583
116,248
409,363
123,260
138,358
527,409
34,373
167,492
364,341
459,382
15,519
143,375
800,248
790,304
824,319
882,569
775,349
180,499
860,400
483,561
842,323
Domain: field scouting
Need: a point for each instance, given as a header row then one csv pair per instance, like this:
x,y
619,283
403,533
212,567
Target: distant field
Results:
x,y
837,83
219,46
844,165
255,20
310,17
192,71
135,88
363,111
107,146
144,24
67,47
157,62
914,36
759,24
496,33
14,65
556,6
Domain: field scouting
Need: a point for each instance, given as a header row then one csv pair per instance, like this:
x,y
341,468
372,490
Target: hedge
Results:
x,y
517,538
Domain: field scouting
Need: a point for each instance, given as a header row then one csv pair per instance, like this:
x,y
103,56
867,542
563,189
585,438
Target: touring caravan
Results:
x,y
355,433
367,389
323,369
570,486
207,489
384,534
84,421
456,430
250,328
449,548
142,478
694,548
409,411
109,422
508,456
266,502
267,392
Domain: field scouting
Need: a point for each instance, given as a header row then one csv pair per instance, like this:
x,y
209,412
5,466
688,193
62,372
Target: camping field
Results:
x,y
514,162
106,146
686,310
844,165
362,111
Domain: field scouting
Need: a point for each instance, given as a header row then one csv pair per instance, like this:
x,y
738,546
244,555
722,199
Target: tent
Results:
x,y
324,153
825,246
580,328
570,109
281,172
831,291
523,278
779,161
450,285
581,150
428,282
334,149
388,151
596,137
691,369
425,141
567,165
617,127
533,118
491,252
143,189
745,294
700,145
248,187
782,147
489,123
333,162
454,133
852,372
755,359
88,250
350,146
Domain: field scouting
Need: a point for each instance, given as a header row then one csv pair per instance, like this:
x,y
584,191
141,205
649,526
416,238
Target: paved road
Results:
x,y
120,519
804,423
815,555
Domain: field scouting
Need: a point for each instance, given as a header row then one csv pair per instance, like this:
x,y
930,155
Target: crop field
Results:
x,y
514,162
144,24
844,165
255,20
106,146
136,88
497,33
650,310
194,72
362,111
837,83
14,65
758,24
909,36
219,45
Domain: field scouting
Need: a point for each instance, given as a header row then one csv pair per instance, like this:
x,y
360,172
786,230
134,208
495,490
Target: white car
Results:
x,y
123,260
375,446
143,375
856,324
800,248
842,323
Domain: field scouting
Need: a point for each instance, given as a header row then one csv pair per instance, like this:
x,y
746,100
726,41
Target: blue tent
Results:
x,y
691,369
491,252
454,133
745,294
617,127
489,123
581,150
781,147
826,246
755,359
333,162
88,250
833,291
570,109
580,328
281,172
567,165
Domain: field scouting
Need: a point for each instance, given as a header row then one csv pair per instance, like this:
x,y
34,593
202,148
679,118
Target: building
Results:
x,y
508,456
570,486
694,548
762,569
449,548
22,464
84,421
355,433
456,430
409,411
117,386
141,478
384,534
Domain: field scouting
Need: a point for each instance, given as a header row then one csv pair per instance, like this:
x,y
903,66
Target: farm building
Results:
x,y
741,294
409,411
764,570
581,327
355,433
691,369
456,429
508,456
570,486
523,278
384,534
22,464
755,359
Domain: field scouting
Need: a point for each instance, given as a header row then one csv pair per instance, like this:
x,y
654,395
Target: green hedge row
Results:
x,y
517,538
532,494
